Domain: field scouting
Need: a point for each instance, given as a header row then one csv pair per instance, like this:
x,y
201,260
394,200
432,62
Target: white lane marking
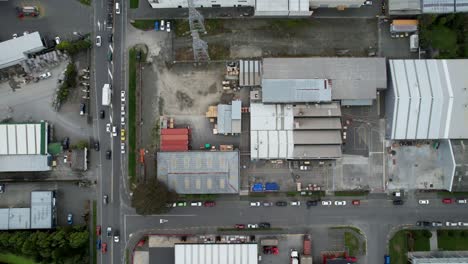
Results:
x,y
136,215
110,73
99,25
111,48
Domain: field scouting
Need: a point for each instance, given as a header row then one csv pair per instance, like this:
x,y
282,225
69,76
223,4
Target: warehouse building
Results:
x,y
417,7
250,73
216,253
23,147
427,99
352,81
200,172
438,257
229,118
16,50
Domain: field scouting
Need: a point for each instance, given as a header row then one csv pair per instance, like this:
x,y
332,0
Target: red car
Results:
x,y
104,248
240,226
98,230
209,204
447,200
356,202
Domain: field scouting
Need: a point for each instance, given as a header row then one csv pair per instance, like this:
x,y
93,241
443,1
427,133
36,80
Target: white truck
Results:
x,y
294,256
106,94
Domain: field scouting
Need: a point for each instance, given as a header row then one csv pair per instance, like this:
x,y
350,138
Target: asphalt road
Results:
x,y
110,177
376,217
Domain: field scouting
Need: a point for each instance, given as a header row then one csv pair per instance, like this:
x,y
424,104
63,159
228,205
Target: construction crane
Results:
x,y
196,22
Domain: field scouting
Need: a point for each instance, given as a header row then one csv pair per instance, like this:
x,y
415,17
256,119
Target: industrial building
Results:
x,y
23,147
250,73
41,214
417,7
229,118
427,99
16,50
353,81
438,257
200,172
216,253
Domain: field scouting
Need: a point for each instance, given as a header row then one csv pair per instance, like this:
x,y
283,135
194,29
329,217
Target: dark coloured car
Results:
x,y
312,203
98,244
108,154
96,145
240,226
102,114
82,109
398,202
66,143
264,225
209,204
423,223
110,38
281,203
98,230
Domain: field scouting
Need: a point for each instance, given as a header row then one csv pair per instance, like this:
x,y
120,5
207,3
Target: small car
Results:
x,y
104,248
181,204
311,203
162,28
356,202
98,244
110,38
117,8
70,219
461,201
82,109
122,134
303,168
57,40
109,231
66,143
398,202
448,223
340,203
98,41
122,121
264,225
168,26
116,236
96,146
447,200
156,25
437,224
108,154
295,203
108,128
423,202
209,204
368,3
122,96
2,188
327,203
84,84
267,204
105,199
98,230
239,226
122,148
102,114
423,223
122,109
462,224
45,75
114,131
252,226
254,204
196,204
281,203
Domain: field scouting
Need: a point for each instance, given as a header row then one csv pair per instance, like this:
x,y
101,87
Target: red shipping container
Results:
x,y
177,142
174,131
173,137
174,148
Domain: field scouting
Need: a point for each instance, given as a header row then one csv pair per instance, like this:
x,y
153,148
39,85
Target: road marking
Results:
x,y
110,73
99,25
133,215
111,48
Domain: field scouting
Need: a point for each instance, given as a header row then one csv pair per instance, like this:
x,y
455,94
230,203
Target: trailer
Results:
x,y
106,94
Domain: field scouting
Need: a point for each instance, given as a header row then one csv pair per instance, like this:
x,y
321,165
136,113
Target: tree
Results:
x,y
151,197
78,239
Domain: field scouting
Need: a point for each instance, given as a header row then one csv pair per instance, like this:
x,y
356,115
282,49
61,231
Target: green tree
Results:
x,y
78,239
151,197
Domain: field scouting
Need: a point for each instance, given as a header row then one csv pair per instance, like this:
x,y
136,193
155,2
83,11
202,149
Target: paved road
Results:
x,y
376,217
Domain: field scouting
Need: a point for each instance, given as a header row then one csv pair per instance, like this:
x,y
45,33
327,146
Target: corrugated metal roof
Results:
x,y
317,137
317,123
224,119
430,99
317,110
41,209
236,109
404,6
295,90
249,73
351,78
4,218
19,218
317,152
200,172
13,51
438,6
216,253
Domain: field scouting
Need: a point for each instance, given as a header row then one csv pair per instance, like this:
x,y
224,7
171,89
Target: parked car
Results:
x,y
2,188
461,201
312,203
254,204
264,225
122,134
102,114
252,226
423,223
98,244
368,3
398,202
110,38
447,200
168,26
356,202
326,202
108,128
105,199
163,24
98,41
181,204
57,40
122,148
295,203
424,202
267,204
66,143
437,224
96,145
209,204
82,109
108,154
340,203
267,250
104,248
196,204
45,75
114,131
122,96
70,219
116,236
98,230
109,231
156,25
239,226
462,224
117,8
451,224
281,203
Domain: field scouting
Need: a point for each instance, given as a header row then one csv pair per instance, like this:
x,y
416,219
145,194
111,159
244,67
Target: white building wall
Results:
x,y
403,101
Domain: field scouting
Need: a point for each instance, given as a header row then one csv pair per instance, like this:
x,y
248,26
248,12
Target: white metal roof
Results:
x,y
216,254
199,3
13,51
41,209
431,99
249,72
295,90
19,218
20,139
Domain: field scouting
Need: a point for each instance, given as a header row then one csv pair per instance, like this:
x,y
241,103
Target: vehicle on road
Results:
x,y
98,230
295,203
461,201
209,204
122,148
98,41
162,28
116,236
437,224
326,202
45,75
423,202
70,219
423,223
281,203
267,204
252,226
117,8
312,203
122,121
84,84
181,204
109,231
98,244
57,40
196,204
447,200
122,96
452,224
104,248
122,109
106,94
105,199
254,204
356,202
82,109
462,224
110,38
398,202
114,131
108,128
368,3
122,134
168,26
387,259
340,203
2,188
108,154
294,256
109,56
102,114
239,226
264,225
96,145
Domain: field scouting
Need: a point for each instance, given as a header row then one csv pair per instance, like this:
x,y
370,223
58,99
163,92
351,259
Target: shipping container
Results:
x,y
175,131
174,148
173,137
174,142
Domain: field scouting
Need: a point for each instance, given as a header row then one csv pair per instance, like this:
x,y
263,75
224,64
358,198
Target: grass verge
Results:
x,y
15,259
351,193
351,243
218,52
452,239
133,3
94,232
132,79
452,194
86,2
408,240
198,196
144,24
357,230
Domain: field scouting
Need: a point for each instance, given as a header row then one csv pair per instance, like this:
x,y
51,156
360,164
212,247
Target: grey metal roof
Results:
x,y
317,123
224,119
13,51
41,209
317,151
403,28
249,73
4,218
438,6
236,109
199,172
19,218
351,78
16,163
216,253
295,90
317,110
161,255
404,7
317,137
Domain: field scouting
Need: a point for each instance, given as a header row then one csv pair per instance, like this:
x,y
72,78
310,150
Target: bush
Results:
x,y
450,233
74,47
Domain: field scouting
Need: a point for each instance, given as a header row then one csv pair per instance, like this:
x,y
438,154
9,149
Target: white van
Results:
x,y
117,8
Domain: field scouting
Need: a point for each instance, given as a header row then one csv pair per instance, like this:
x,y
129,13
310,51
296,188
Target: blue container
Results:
x,y
257,187
387,259
156,25
271,187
